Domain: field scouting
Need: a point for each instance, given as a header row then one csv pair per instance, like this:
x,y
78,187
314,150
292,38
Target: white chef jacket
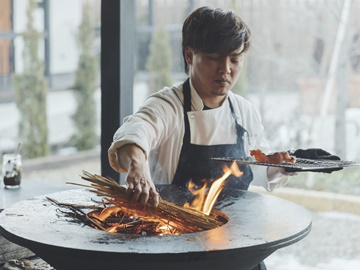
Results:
x,y
158,128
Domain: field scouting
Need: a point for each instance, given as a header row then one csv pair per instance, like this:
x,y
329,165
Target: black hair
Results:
x,y
214,31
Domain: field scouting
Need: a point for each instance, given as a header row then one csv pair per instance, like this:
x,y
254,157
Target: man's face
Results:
x,y
212,74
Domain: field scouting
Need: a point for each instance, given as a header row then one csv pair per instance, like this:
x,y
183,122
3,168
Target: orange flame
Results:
x,y
205,197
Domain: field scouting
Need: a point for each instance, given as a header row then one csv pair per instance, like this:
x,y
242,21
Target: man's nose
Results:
x,y
225,65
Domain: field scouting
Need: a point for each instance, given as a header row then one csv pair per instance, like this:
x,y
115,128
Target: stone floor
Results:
x,y
32,263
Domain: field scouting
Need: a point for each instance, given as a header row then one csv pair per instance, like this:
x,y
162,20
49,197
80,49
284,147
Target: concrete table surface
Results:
x,y
258,226
28,190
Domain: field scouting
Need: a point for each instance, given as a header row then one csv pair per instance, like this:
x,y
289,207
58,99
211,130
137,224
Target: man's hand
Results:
x,y
139,186
315,153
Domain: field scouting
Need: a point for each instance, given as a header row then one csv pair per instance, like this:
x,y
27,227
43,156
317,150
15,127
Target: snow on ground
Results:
x,y
333,244
287,262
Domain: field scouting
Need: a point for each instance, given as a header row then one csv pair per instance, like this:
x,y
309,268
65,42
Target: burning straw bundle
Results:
x,y
183,219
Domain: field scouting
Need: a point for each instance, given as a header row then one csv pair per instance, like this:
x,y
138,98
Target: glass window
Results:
x,y
50,86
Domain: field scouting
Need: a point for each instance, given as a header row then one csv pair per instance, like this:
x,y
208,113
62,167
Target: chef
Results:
x,y
173,137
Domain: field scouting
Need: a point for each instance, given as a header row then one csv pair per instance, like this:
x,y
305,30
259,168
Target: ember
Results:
x,y
117,215
116,220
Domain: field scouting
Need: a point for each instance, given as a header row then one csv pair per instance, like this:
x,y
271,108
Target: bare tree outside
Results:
x,y
31,90
84,117
159,61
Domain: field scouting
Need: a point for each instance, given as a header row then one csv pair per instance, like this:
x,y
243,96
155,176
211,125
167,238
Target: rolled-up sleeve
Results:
x,y
147,128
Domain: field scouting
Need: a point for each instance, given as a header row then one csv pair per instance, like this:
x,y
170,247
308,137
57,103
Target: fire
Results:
x,y
205,197
124,218
116,219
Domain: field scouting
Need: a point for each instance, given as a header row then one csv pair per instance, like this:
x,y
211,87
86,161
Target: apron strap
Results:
x,y
187,108
240,130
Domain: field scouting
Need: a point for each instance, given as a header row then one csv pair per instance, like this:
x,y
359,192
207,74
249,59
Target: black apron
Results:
x,y
195,161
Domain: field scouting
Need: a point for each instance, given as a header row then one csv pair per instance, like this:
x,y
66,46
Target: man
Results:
x,y
174,135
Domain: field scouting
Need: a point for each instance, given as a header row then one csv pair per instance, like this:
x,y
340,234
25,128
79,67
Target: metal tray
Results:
x,y
301,164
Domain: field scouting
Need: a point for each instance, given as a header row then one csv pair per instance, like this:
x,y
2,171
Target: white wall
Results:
x,y
20,21
65,17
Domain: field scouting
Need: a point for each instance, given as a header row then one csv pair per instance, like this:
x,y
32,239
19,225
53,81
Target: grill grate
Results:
x,y
301,164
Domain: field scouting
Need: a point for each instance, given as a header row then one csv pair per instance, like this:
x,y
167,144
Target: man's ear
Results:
x,y
189,55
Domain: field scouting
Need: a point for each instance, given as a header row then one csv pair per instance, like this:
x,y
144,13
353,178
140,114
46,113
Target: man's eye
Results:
x,y
236,59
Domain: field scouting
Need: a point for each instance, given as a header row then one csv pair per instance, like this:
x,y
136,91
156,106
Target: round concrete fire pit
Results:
x,y
258,225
